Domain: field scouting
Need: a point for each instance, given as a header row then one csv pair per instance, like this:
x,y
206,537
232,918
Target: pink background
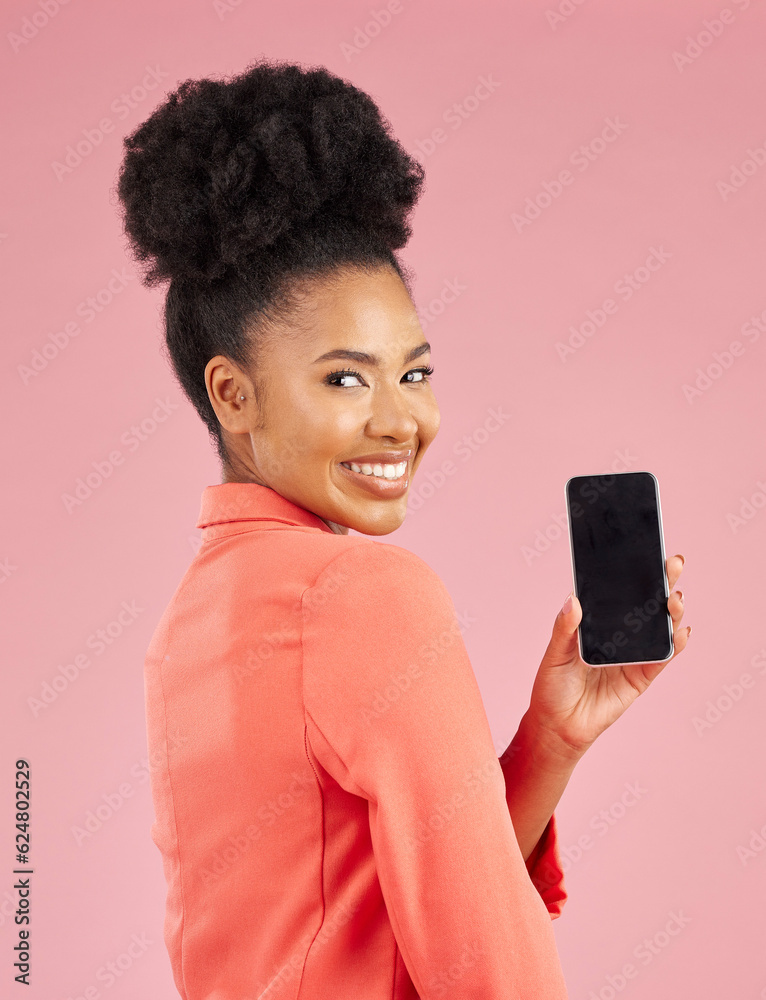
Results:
x,y
684,126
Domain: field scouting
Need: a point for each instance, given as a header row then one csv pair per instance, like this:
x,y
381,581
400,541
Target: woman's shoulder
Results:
x,y
359,569
361,554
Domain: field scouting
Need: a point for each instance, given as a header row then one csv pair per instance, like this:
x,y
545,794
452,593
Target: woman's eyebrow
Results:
x,y
369,359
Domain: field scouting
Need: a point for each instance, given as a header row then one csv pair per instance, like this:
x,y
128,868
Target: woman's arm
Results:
x,y
536,775
571,705
394,715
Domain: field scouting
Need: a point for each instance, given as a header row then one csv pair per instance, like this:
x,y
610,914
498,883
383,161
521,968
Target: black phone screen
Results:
x,y
618,562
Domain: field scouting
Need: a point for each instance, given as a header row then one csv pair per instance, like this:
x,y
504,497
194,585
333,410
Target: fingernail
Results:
x,y
679,556
680,595
688,631
567,605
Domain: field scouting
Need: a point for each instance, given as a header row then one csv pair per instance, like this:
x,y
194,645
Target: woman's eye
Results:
x,y
334,379
425,373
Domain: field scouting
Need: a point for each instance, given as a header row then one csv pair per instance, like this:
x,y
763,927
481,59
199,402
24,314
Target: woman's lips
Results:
x,y
378,486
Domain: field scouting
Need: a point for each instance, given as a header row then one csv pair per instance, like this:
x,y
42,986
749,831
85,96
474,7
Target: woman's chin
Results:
x,y
382,521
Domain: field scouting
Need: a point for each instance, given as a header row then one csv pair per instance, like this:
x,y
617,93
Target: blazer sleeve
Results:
x,y
394,714
546,870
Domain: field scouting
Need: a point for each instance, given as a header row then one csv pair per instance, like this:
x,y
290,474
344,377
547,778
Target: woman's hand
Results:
x,y
571,703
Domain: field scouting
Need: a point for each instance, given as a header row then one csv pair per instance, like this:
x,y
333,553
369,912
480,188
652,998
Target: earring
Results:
x,y
241,397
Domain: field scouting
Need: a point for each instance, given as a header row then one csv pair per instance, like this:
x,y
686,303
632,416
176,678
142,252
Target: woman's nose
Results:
x,y
392,414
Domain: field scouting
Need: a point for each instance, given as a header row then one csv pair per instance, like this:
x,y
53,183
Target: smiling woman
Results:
x,y
333,818
343,443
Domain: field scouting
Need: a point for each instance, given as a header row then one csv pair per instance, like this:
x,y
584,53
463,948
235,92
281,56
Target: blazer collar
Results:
x,y
228,502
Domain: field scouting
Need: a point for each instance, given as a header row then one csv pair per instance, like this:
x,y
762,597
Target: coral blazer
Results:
x,y
329,805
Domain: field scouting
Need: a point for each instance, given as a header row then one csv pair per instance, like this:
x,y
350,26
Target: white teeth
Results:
x,y
382,471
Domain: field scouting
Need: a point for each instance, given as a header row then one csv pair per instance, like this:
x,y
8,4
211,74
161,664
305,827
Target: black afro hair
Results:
x,y
234,190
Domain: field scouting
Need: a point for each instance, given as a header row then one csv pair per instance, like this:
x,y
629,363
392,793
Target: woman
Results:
x,y
333,819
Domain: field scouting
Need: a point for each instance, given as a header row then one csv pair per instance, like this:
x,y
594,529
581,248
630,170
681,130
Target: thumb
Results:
x,y
563,645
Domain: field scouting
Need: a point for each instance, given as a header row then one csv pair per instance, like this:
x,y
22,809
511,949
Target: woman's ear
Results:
x,y
230,394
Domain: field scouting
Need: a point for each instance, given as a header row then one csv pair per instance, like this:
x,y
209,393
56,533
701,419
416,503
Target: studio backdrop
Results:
x,y
589,256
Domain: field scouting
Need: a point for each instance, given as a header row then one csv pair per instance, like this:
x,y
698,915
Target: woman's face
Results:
x,y
370,404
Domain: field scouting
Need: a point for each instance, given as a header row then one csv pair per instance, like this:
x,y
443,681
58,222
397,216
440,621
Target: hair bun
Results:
x,y
226,168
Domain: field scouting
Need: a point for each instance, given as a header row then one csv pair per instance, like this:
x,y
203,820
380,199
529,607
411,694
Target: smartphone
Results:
x,y
618,568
